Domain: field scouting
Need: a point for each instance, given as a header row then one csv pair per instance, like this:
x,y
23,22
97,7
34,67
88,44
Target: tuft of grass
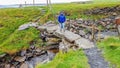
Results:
x,y
111,50
72,59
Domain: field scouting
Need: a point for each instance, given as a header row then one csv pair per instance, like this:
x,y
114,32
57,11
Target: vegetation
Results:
x,y
12,40
74,10
111,50
72,59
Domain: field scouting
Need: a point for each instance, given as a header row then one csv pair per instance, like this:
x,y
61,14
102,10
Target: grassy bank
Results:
x,y
111,50
12,40
72,59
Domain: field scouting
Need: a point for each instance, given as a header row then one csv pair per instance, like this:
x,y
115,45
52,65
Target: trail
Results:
x,y
95,58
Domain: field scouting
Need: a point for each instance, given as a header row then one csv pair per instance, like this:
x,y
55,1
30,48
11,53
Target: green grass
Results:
x,y
111,50
76,10
11,19
12,40
72,59
19,40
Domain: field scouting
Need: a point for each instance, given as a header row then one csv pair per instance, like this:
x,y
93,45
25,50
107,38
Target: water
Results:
x,y
17,6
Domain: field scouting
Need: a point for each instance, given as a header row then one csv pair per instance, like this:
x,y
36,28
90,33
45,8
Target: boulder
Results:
x,y
84,43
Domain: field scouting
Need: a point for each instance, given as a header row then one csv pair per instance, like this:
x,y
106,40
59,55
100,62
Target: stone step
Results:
x,y
84,43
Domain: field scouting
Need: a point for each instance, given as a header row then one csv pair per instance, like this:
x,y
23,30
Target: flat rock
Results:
x,y
51,29
23,27
70,36
58,33
20,59
84,43
42,28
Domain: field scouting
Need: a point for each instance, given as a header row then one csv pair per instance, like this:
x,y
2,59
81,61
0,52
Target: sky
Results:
x,y
9,2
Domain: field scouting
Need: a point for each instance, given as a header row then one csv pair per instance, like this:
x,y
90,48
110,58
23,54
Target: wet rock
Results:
x,y
24,65
84,43
20,59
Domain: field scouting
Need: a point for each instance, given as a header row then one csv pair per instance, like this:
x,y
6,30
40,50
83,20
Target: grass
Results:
x,y
19,40
12,40
76,10
72,59
111,50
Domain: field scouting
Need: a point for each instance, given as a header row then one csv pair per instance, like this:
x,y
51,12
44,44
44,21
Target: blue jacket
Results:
x,y
61,18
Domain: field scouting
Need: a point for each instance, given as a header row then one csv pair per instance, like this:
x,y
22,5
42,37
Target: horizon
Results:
x,y
13,2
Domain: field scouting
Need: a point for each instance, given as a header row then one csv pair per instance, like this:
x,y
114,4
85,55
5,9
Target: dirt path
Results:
x,y
95,58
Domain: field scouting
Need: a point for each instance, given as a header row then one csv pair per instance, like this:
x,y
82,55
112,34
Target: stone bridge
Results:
x,y
69,38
